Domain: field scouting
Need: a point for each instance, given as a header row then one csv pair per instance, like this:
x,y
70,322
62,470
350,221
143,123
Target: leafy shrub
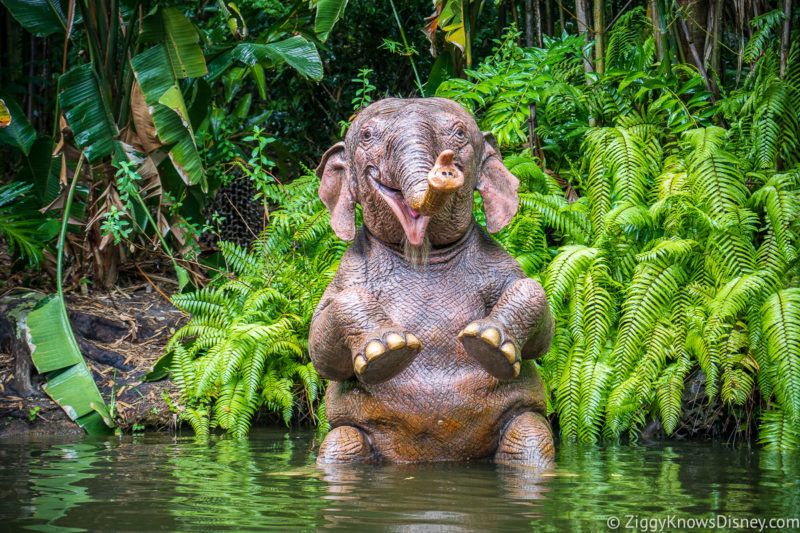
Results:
x,y
246,345
667,250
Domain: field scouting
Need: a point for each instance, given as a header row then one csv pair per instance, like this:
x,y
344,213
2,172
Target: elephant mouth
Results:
x,y
413,223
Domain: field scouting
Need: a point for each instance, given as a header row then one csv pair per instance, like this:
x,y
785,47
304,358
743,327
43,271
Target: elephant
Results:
x,y
428,329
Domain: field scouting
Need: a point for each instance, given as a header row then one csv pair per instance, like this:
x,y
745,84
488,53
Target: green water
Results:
x,y
166,483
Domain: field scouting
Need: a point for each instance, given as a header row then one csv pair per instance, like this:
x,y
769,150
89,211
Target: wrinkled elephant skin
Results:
x,y
428,329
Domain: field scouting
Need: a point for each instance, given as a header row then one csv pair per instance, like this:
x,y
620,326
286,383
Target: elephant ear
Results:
x,y
498,187
336,190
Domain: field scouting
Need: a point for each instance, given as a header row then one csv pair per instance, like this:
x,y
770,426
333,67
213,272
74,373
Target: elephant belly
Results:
x,y
433,412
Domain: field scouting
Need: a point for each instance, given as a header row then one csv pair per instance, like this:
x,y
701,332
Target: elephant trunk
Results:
x,y
442,181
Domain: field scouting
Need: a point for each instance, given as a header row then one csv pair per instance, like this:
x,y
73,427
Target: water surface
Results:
x,y
167,483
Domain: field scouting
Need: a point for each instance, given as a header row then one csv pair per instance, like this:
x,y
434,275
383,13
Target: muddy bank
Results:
x,y
121,335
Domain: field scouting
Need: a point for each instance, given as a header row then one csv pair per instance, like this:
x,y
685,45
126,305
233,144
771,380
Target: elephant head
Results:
x,y
413,165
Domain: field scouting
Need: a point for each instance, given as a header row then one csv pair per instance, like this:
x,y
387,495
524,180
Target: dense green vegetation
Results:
x,y
657,143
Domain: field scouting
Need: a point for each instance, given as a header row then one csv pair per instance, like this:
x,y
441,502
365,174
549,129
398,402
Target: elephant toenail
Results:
x,y
510,352
360,364
395,341
413,341
471,330
491,336
516,369
374,349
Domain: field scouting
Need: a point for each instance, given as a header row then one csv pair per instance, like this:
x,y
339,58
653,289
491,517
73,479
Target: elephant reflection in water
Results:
x,y
428,330
430,497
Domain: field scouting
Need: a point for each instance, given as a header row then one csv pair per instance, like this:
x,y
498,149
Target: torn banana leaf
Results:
x,y
55,353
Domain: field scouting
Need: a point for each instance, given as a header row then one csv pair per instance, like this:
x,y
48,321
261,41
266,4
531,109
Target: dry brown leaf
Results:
x,y
142,120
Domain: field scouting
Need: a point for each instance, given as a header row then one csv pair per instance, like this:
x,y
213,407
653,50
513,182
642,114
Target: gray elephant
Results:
x,y
427,329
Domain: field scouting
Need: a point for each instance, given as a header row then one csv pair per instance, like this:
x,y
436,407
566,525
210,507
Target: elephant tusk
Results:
x,y
443,180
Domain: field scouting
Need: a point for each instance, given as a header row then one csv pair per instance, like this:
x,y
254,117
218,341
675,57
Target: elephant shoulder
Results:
x,y
495,259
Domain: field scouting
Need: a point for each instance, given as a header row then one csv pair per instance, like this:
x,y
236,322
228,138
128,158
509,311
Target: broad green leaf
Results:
x,y
15,129
87,112
153,72
328,12
180,39
69,381
295,51
43,170
173,99
50,334
183,154
40,17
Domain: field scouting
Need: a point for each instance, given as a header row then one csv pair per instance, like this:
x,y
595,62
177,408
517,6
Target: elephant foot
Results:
x,y
527,441
344,444
486,342
385,355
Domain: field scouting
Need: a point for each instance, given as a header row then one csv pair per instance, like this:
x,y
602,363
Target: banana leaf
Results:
x,y
158,69
169,112
15,130
298,53
56,354
87,111
39,17
180,39
328,12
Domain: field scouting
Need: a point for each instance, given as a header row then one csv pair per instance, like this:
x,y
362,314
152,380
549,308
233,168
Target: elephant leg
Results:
x,y
519,326
526,441
344,444
351,334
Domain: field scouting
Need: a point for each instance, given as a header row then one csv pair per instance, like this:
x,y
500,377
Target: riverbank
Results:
x,y
121,334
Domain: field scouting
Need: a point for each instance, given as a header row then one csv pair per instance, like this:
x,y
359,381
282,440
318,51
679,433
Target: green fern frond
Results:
x,y
669,391
563,272
781,328
778,430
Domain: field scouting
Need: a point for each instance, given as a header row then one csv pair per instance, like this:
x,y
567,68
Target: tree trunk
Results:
x,y
537,15
599,37
658,31
548,17
787,28
529,40
693,14
501,17
582,14
696,55
715,44
560,16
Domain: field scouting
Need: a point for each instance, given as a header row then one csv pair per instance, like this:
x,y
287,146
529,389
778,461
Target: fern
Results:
x,y
245,346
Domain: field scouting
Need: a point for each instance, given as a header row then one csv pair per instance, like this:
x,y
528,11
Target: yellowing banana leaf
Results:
x,y
173,99
15,129
171,129
168,110
328,12
452,17
56,354
40,17
5,115
180,39
87,111
298,53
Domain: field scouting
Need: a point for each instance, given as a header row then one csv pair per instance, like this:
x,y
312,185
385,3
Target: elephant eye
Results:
x,y
366,135
459,133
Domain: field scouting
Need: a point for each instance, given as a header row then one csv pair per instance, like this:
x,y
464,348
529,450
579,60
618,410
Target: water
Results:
x,y
165,483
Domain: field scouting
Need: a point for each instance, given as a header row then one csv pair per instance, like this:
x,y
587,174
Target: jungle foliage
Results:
x,y
134,94
246,345
667,245
658,148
